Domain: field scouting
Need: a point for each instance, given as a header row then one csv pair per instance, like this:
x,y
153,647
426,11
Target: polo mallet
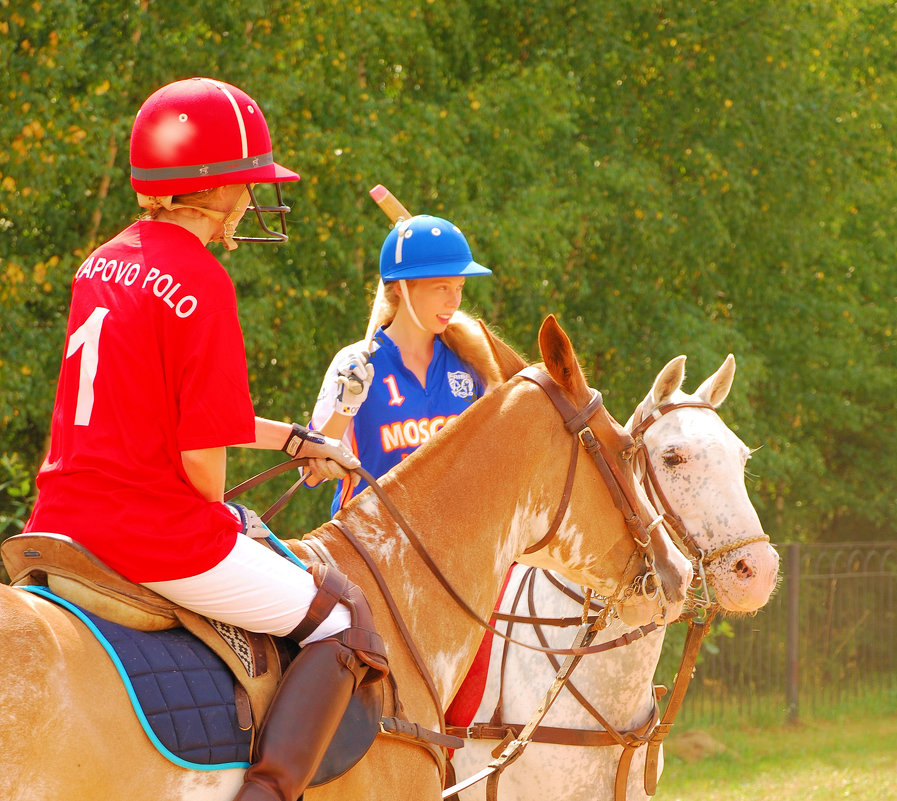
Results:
x,y
396,212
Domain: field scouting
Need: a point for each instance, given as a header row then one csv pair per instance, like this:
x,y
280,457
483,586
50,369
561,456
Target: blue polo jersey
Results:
x,y
398,414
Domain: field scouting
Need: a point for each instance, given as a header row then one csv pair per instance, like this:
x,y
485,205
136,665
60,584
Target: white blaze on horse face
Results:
x,y
700,468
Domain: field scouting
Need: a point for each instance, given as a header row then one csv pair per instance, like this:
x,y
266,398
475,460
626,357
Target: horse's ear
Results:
x,y
668,381
715,389
560,359
509,361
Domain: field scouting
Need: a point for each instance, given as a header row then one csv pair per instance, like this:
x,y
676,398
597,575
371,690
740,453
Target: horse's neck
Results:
x,y
471,517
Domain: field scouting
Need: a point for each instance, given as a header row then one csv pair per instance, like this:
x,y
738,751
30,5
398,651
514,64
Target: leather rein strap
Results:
x,y
271,472
576,422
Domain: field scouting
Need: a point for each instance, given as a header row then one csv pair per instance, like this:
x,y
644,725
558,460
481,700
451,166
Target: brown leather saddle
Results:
x,y
257,661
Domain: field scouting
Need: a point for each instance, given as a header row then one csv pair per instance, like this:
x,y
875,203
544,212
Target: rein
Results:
x,y
271,472
576,422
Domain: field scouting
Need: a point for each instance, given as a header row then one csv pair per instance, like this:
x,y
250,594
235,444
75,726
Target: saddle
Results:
x,y
257,661
75,574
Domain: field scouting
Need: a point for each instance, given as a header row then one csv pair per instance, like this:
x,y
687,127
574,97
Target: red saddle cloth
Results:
x,y
470,694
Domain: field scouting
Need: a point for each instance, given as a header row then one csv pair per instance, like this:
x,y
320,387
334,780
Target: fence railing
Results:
x,y
828,636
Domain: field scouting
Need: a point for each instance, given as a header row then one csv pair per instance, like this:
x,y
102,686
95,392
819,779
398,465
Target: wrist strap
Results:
x,y
344,408
297,436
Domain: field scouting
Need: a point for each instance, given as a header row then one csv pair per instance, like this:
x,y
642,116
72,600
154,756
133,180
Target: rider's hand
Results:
x,y
327,470
353,380
328,457
252,525
334,463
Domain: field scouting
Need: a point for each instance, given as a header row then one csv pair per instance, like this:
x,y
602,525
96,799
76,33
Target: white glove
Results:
x,y
354,377
252,524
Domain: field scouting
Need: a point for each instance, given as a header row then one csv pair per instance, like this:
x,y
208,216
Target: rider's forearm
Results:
x,y
269,434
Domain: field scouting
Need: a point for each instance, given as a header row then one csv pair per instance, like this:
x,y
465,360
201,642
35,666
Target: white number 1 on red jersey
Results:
x,y
87,339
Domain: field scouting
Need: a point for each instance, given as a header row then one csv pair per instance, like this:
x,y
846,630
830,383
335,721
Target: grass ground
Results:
x,y
853,758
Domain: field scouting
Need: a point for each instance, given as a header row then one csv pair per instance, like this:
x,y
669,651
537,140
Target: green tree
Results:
x,y
697,179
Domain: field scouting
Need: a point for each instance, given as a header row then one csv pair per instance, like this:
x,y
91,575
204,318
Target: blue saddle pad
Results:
x,y
182,692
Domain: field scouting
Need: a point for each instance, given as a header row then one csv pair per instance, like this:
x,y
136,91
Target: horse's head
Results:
x,y
697,466
602,484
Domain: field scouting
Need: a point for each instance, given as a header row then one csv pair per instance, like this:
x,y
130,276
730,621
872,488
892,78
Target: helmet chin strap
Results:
x,y
228,219
403,288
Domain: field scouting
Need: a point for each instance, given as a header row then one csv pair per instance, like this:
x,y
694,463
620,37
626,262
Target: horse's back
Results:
x,y
67,728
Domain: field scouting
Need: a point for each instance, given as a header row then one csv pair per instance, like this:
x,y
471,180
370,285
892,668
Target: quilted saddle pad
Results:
x,y
182,692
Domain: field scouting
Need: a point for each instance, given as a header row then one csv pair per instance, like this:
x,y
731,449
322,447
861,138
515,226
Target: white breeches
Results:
x,y
255,589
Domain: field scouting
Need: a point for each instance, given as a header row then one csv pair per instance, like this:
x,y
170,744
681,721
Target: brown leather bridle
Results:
x,y
699,595
647,583
622,492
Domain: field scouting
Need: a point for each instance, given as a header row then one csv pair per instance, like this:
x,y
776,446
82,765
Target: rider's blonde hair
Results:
x,y
463,335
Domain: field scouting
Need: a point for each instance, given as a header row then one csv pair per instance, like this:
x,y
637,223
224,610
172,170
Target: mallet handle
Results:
x,y
389,204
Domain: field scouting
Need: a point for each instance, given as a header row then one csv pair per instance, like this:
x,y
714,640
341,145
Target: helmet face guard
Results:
x,y
259,210
200,134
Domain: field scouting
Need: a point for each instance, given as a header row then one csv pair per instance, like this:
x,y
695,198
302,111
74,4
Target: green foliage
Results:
x,y
699,179
16,490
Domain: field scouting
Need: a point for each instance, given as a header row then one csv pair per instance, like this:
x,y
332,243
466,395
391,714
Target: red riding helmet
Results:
x,y
201,133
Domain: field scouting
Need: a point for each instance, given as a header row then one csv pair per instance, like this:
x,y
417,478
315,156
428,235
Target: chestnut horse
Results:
x,y
695,464
480,493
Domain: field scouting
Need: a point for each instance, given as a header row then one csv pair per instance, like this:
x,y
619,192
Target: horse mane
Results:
x,y
468,338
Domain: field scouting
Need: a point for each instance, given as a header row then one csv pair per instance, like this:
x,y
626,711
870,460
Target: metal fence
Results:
x,y
827,638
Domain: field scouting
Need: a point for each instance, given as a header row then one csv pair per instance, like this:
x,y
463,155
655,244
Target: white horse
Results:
x,y
698,465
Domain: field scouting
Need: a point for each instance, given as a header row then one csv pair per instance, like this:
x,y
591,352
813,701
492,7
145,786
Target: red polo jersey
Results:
x,y
154,363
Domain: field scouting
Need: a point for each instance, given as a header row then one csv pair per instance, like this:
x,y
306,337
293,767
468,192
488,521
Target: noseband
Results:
x,y
685,540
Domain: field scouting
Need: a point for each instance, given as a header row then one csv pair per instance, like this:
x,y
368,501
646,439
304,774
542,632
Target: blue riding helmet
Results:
x,y
426,247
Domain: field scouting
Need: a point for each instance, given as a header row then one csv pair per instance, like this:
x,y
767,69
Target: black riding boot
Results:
x,y
302,719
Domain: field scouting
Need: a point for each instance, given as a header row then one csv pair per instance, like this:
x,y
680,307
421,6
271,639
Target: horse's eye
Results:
x,y
672,458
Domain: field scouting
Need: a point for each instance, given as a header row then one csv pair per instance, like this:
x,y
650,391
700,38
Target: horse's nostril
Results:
x,y
743,569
